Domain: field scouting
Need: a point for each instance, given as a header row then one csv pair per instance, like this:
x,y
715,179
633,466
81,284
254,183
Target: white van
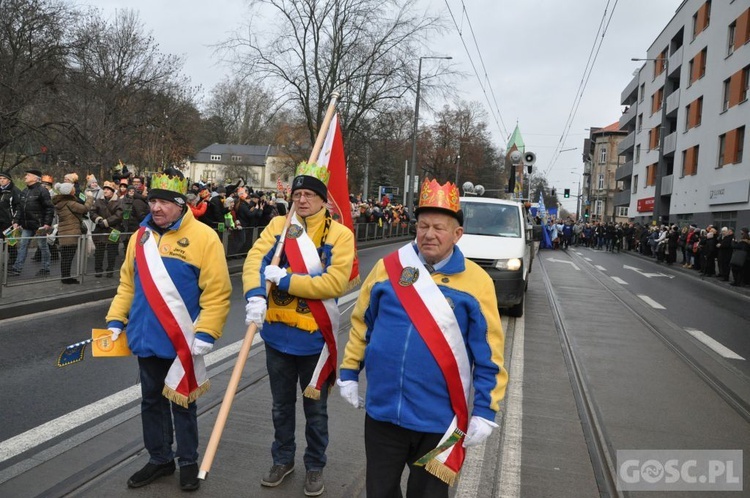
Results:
x,y
499,236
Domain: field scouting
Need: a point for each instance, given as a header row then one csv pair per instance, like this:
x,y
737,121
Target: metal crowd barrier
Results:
x,y
237,242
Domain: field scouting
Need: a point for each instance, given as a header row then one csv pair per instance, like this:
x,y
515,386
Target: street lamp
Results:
x,y
413,165
661,163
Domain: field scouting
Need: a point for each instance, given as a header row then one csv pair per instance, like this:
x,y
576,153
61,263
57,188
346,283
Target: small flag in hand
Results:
x,y
71,354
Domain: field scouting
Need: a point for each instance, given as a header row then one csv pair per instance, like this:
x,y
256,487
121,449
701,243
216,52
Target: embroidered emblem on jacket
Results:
x,y
409,275
183,242
294,231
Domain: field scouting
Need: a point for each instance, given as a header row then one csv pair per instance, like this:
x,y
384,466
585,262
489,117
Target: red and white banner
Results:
x,y
332,156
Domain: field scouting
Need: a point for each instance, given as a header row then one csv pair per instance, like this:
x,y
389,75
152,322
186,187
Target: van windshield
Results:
x,y
498,220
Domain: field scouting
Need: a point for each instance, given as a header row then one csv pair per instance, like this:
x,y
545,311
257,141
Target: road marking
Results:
x,y
348,298
646,274
712,343
564,261
509,485
619,281
651,302
600,267
45,432
588,259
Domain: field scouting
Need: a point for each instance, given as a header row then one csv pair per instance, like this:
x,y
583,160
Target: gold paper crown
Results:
x,y
434,195
312,169
166,182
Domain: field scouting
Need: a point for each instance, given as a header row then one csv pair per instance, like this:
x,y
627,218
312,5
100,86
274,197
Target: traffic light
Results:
x,y
553,192
566,193
586,214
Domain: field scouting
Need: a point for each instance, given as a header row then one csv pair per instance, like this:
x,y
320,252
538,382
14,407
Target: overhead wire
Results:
x,y
593,55
495,112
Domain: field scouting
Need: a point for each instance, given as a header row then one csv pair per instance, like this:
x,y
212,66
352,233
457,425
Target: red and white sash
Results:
x,y
303,258
439,329
187,378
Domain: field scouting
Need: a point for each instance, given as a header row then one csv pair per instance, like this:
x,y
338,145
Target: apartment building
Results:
x,y
686,120
601,160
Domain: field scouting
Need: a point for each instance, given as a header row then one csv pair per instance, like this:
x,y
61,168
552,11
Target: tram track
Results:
x,y
603,455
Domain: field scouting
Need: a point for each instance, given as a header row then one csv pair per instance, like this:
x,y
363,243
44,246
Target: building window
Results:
x,y
722,149
236,159
741,36
273,177
600,181
690,161
740,144
730,37
725,98
744,83
698,65
640,122
725,219
638,153
642,92
256,177
653,138
731,146
216,157
621,211
694,113
651,175
701,18
599,207
635,185
603,155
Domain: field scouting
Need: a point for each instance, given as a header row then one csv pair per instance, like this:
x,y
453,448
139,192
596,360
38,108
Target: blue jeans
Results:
x,y
285,372
157,413
41,245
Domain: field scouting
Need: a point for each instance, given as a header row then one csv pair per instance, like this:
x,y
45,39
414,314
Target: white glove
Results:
x,y
255,311
479,430
200,347
349,390
116,331
274,274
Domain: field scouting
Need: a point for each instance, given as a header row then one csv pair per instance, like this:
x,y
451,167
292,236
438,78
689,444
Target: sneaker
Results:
x,y
276,475
69,281
42,272
189,477
14,273
314,483
150,473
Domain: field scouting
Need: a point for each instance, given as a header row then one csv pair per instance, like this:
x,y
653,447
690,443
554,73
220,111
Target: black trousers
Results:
x,y
67,253
389,448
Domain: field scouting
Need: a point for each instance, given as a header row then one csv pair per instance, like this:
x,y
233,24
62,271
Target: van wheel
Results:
x,y
517,310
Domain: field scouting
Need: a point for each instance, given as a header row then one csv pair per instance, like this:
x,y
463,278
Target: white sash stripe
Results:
x,y
179,310
446,320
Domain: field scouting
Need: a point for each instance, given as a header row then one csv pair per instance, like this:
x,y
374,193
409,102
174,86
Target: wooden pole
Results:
x,y
247,342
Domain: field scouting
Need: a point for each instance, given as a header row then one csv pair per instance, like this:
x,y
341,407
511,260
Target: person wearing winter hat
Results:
x,y
171,258
70,214
300,338
34,215
92,185
107,216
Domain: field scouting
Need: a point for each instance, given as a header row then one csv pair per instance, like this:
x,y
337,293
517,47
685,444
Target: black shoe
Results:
x,y
150,473
189,477
314,483
110,274
98,275
42,273
14,273
70,281
276,475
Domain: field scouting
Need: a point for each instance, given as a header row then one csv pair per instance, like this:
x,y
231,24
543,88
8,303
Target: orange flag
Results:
x,y
332,156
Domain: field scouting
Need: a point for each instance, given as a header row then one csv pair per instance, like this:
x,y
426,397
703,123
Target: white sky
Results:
x,y
535,53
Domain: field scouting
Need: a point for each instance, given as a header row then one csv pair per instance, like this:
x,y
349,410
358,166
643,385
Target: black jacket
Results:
x,y
9,198
35,208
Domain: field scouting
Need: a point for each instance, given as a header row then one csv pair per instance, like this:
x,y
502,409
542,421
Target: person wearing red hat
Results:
x,y
34,216
427,321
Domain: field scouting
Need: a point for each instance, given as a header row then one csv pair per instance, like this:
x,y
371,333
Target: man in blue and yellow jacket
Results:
x,y
427,329
298,319
173,298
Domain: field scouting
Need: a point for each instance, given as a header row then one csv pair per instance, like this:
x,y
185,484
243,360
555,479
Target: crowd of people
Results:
x,y
714,252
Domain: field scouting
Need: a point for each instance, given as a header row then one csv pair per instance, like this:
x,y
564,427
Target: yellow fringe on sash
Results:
x,y
311,392
292,318
441,471
353,283
181,399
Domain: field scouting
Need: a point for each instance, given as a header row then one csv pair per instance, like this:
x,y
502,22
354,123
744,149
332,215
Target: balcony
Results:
x,y
670,143
622,198
625,170
673,103
630,93
666,185
627,117
626,144
675,61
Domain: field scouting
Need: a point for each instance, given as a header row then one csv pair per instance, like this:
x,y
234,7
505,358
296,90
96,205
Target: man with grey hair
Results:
x,y
34,217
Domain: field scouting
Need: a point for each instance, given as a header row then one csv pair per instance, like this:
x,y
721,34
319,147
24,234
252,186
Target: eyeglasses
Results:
x,y
307,195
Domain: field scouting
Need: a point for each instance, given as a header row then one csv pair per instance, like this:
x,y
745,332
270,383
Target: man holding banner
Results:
x,y
428,324
173,298
299,318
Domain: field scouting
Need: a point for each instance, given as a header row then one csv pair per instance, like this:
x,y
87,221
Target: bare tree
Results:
x,y
125,90
33,50
367,48
245,110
